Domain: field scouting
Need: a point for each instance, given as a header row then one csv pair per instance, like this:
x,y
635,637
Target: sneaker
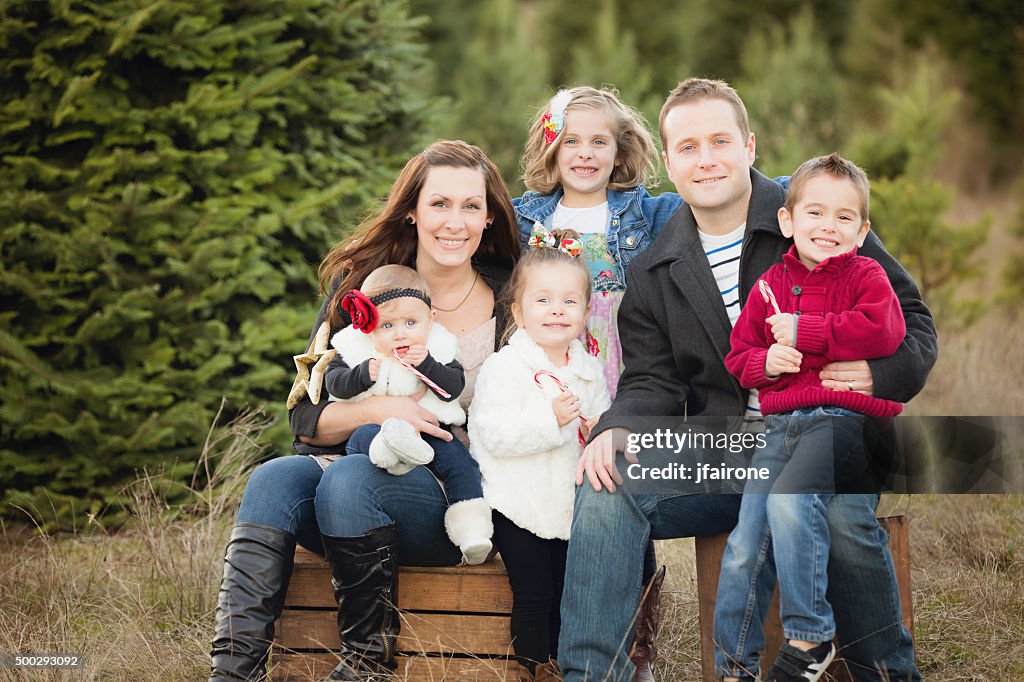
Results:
x,y
794,665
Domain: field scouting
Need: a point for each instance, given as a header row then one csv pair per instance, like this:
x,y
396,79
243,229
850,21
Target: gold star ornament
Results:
x,y
310,367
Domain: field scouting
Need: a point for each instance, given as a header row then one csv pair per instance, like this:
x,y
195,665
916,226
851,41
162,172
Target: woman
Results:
x,y
449,215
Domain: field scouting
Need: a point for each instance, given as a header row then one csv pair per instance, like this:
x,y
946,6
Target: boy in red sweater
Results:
x,y
823,303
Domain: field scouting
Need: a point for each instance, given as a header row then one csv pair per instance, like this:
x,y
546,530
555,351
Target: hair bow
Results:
x,y
541,238
554,120
360,310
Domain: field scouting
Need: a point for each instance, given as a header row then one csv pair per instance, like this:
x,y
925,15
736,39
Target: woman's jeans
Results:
x,y
603,583
808,454
349,499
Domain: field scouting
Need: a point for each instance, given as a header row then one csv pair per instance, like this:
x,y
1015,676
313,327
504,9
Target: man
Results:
x,y
685,293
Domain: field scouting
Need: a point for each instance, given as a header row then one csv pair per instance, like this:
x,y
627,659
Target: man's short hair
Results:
x,y
699,89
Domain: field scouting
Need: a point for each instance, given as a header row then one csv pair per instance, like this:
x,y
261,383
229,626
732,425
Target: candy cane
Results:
x,y
437,389
564,389
769,295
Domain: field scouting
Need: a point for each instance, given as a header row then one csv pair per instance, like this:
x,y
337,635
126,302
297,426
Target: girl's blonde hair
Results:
x,y
635,150
544,255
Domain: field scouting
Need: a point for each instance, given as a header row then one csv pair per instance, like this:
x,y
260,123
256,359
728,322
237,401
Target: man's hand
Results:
x,y
414,355
782,360
597,462
566,407
374,369
852,375
783,328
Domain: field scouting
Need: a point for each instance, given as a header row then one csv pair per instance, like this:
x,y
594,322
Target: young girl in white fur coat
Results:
x,y
533,403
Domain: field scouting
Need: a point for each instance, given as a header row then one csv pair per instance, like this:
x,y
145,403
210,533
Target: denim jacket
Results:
x,y
635,218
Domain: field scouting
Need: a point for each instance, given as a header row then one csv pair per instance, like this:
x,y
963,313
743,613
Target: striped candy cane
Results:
x,y
558,382
437,389
769,295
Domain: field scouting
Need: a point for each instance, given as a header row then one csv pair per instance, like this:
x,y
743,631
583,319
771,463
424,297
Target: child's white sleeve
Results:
x,y
509,416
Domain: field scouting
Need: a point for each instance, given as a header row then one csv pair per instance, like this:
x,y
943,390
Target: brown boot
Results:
x,y
645,649
547,672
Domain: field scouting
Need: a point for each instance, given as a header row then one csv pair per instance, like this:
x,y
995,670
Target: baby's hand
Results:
x,y
374,369
566,407
782,360
416,354
783,328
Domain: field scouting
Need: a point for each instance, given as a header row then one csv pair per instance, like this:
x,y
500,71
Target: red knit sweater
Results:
x,y
847,311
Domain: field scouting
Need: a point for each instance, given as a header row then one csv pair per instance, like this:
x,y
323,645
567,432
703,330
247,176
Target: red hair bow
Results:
x,y
361,310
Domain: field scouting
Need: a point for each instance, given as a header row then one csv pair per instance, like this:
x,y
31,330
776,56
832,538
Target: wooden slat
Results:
x,y
709,551
472,589
309,667
430,632
468,589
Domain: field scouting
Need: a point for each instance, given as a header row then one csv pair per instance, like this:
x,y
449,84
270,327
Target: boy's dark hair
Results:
x,y
837,167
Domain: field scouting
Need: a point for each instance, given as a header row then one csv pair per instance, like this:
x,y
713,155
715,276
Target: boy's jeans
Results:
x,y
808,454
603,583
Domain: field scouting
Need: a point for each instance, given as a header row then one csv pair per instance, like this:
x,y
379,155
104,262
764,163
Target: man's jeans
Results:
x,y
603,584
809,453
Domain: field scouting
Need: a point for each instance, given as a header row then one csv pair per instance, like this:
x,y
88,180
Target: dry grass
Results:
x,y
137,604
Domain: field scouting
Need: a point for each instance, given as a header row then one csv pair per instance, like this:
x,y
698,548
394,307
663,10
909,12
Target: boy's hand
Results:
x,y
783,328
782,360
374,369
415,354
566,407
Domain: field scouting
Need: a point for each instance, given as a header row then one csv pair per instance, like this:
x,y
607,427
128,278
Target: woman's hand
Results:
x,y
340,419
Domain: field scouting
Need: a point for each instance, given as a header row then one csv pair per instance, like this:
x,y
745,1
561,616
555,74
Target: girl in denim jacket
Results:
x,y
585,163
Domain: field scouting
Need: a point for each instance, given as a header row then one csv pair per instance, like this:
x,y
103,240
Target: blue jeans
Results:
x,y
354,497
279,494
348,499
602,583
808,452
452,464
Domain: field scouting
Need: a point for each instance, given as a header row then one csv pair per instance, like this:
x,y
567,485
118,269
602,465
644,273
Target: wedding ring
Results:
x,y
849,384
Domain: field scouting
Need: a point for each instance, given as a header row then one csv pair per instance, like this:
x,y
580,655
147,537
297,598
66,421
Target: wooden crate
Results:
x,y
455,624
709,561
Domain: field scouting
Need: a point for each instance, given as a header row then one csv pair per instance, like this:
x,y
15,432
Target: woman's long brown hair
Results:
x,y
388,238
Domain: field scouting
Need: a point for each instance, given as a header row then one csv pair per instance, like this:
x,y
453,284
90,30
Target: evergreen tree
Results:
x,y
908,206
173,170
791,90
499,84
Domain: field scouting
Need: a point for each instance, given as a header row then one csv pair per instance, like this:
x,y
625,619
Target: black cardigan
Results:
x,y
303,417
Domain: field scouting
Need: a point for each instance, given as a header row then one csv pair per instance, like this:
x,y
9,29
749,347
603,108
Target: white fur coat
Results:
x,y
355,347
528,463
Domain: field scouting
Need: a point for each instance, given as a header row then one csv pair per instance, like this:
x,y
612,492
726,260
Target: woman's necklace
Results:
x,y
464,298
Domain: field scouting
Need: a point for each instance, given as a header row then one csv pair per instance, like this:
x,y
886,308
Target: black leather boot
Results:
x,y
257,567
364,572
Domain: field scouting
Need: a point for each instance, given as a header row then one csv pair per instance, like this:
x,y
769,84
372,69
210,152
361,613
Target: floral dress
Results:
x,y
602,324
